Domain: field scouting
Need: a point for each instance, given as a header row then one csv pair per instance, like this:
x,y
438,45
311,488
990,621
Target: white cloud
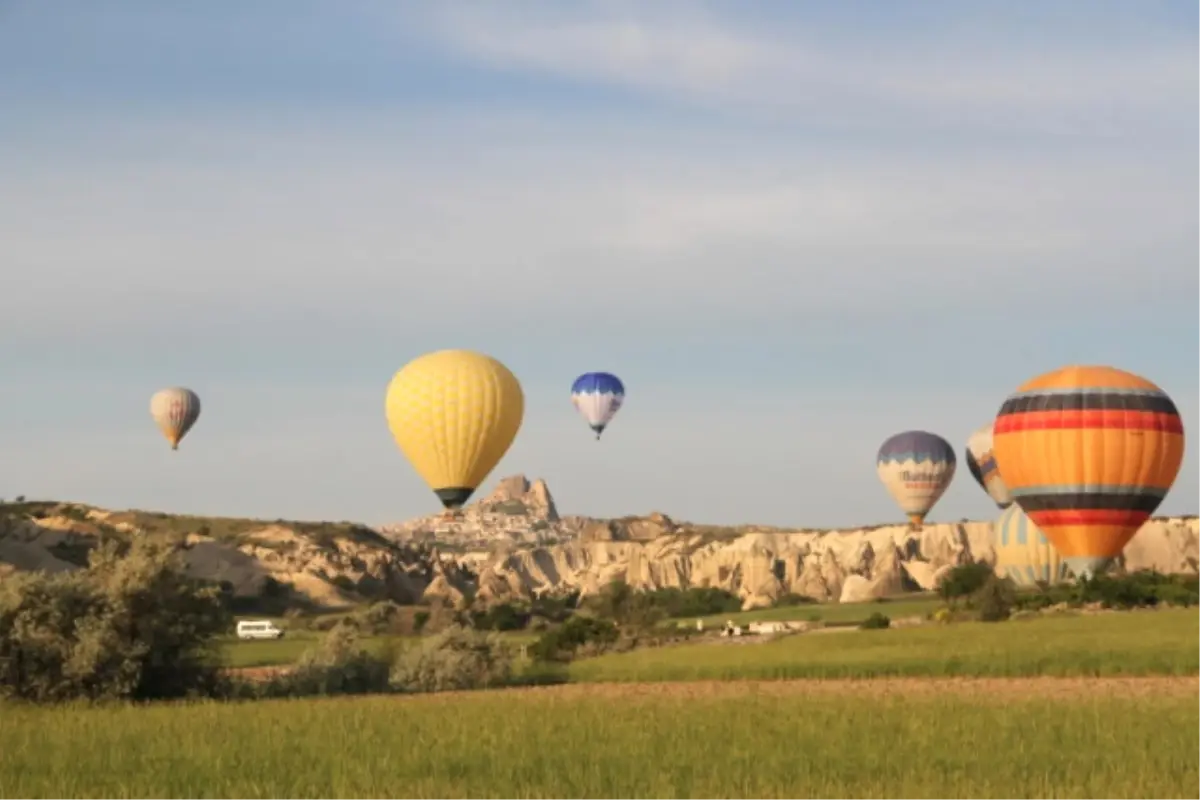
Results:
x,y
949,73
389,225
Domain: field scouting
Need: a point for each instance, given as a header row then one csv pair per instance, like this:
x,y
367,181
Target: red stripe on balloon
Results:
x,y
1086,516
1108,418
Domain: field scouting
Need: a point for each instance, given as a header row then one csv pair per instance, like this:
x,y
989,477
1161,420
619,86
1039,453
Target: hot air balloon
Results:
x,y
982,465
454,414
916,467
1023,553
175,411
1088,452
598,396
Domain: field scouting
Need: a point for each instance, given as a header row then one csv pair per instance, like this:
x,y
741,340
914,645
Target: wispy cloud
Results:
x,y
957,68
552,223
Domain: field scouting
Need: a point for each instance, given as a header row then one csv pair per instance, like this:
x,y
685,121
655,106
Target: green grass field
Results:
x,y
728,740
1140,643
291,647
911,606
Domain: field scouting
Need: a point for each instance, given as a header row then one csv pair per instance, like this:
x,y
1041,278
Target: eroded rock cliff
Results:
x,y
514,544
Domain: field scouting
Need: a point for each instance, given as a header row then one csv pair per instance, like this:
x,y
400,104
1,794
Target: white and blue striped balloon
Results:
x,y
916,467
598,396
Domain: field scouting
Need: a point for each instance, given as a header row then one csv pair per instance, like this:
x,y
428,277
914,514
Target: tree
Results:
x,y
629,609
130,625
963,581
455,659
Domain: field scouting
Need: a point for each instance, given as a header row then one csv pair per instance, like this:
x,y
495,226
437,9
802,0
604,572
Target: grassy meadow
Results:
x,y
688,720
1136,643
698,740
830,613
285,651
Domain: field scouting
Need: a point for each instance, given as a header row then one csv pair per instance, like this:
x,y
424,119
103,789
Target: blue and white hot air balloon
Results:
x,y
598,396
916,467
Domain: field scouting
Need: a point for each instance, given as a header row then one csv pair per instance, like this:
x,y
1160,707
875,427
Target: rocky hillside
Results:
x,y
292,564
514,544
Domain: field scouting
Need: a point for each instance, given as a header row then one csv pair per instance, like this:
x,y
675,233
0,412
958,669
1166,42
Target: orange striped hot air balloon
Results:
x,y
1088,453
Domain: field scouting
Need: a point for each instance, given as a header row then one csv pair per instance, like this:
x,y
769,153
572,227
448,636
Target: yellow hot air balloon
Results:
x,y
454,414
1088,453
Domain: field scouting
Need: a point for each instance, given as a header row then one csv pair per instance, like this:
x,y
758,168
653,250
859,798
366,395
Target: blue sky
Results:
x,y
792,229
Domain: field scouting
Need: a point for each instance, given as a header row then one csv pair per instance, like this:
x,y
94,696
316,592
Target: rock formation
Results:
x,y
326,565
513,544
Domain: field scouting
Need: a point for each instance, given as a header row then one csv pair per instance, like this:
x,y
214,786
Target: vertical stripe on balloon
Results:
x,y
1023,553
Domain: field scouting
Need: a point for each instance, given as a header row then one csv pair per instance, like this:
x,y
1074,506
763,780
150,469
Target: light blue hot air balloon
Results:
x,y
598,396
1023,553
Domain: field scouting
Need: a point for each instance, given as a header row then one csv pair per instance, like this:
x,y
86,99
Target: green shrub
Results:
x,y
876,621
500,617
793,599
963,581
696,602
564,642
378,618
638,609
995,600
555,608
419,620
628,608
455,659
1141,589
337,665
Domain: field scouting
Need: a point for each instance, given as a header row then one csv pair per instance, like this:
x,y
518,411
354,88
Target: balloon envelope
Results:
x,y
982,464
174,410
454,414
1023,553
1088,453
916,467
598,396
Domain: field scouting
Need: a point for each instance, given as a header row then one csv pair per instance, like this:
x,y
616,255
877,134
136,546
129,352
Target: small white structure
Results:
x,y
258,629
730,629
